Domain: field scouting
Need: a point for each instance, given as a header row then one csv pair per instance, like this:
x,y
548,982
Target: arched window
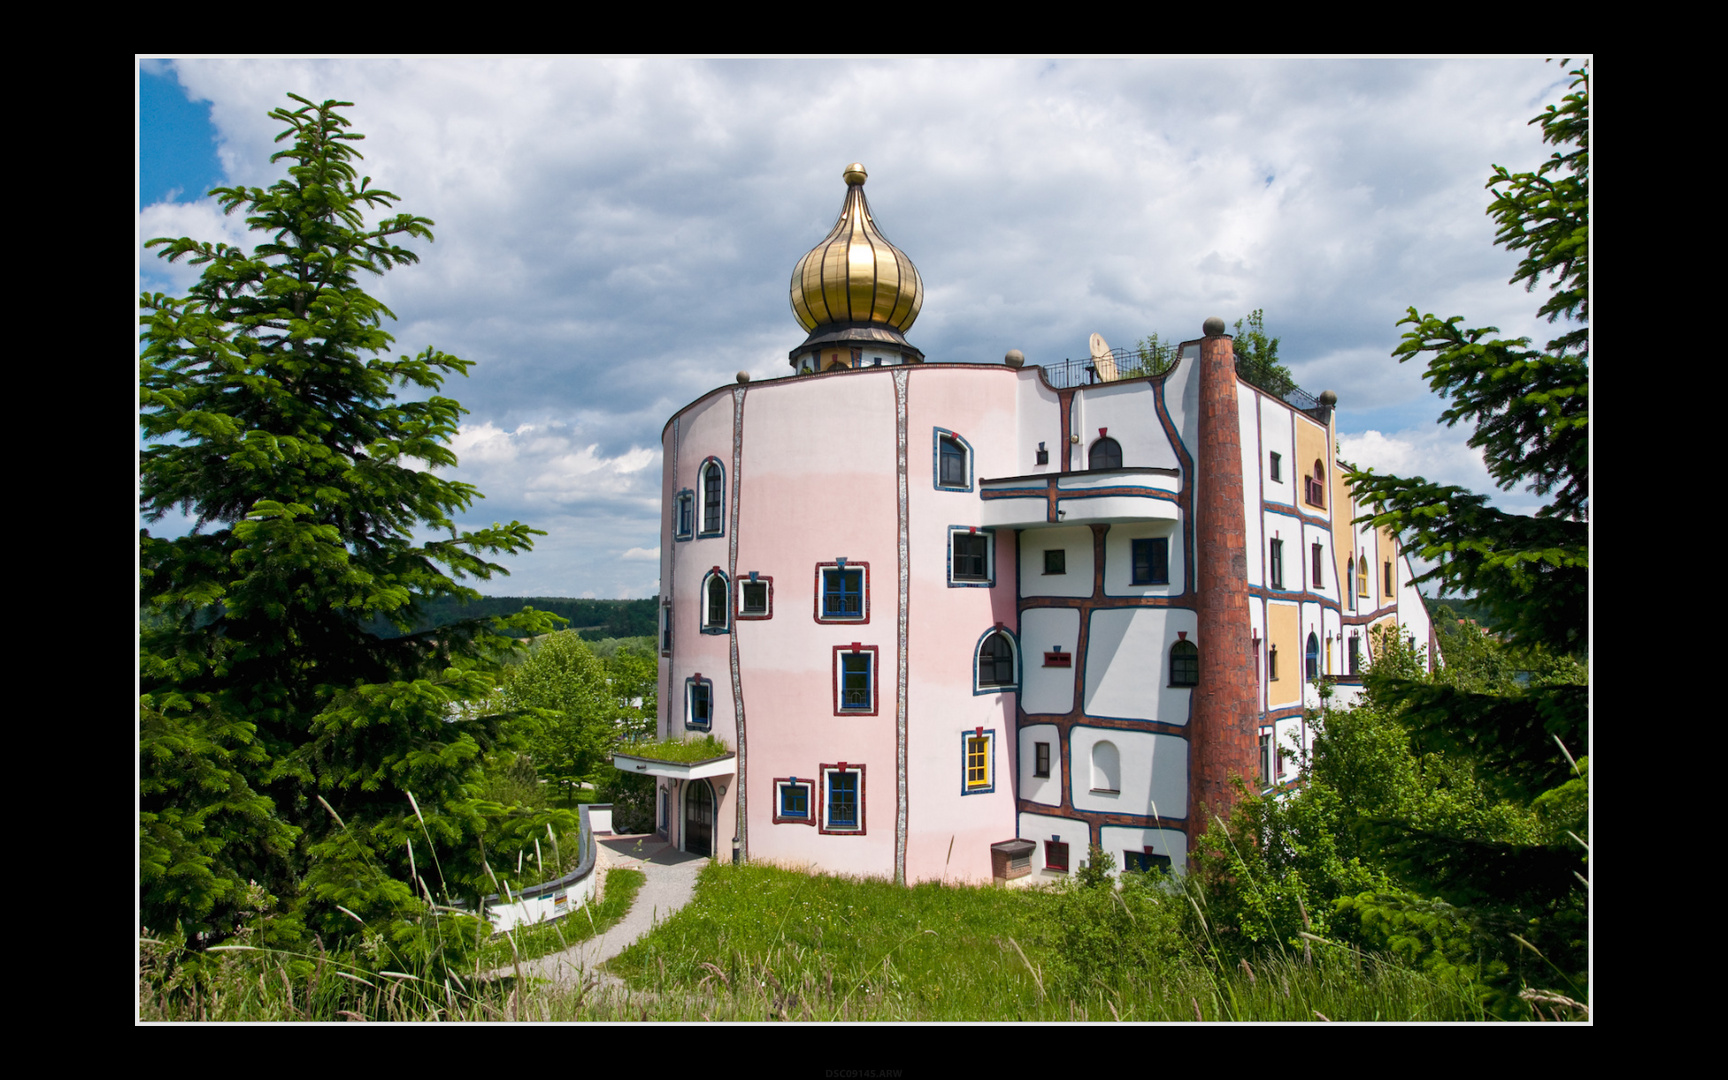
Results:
x,y
996,661
1313,657
713,490
1184,664
715,606
1106,454
1106,767
1314,487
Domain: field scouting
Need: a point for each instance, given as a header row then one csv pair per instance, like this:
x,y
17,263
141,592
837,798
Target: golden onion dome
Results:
x,y
855,276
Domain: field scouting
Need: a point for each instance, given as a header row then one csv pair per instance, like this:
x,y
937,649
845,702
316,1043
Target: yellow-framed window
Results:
x,y
977,761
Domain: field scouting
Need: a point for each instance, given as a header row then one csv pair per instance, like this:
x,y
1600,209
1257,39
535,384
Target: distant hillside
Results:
x,y
595,619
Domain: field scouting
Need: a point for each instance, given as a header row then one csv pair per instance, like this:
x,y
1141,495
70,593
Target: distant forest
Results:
x,y
594,619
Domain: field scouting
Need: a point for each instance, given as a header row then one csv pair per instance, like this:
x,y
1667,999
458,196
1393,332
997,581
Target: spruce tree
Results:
x,y
280,740
1523,903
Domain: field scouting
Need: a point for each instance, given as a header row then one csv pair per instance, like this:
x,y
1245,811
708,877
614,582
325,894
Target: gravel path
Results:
x,y
671,882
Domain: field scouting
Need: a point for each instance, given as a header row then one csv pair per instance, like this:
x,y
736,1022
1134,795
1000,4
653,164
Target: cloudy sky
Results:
x,y
615,237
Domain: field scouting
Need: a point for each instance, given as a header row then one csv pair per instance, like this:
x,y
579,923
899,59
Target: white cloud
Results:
x,y
614,236
642,554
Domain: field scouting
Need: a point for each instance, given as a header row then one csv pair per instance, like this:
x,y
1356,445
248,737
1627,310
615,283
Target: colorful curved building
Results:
x,y
961,621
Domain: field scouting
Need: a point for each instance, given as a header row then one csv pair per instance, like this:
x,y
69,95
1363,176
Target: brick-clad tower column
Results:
x,y
1221,726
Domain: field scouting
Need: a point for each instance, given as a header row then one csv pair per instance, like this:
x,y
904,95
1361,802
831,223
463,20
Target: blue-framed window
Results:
x,y
971,556
842,592
978,766
684,515
716,603
713,500
843,798
698,702
952,461
1313,657
755,597
794,801
1144,860
1151,561
855,680
1184,664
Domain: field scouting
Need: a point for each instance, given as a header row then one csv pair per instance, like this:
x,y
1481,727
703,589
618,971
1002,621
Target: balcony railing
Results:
x,y
1134,363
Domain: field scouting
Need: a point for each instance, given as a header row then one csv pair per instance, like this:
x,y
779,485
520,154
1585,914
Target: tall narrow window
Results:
x,y
713,484
1275,469
1349,575
1362,574
1387,592
1277,564
843,798
714,604
1318,581
1041,760
1355,654
684,524
1313,657
1151,561
698,702
1106,454
854,680
1271,663
977,772
1106,768
1184,664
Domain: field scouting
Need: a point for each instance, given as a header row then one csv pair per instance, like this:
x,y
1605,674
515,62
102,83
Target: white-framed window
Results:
x,y
755,596
971,556
997,662
716,604
843,799
1106,768
713,500
855,680
978,769
794,801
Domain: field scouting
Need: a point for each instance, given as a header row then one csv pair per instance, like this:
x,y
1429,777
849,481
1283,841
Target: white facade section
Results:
x,y
1039,828
1040,789
1076,544
1119,558
1276,437
1152,772
1121,408
1042,630
1117,840
1128,664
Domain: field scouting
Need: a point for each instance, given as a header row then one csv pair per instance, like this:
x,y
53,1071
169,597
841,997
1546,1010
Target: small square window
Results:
x,y
843,798
854,680
843,592
755,597
970,556
1151,561
1041,760
794,801
1275,469
978,773
1056,855
1056,561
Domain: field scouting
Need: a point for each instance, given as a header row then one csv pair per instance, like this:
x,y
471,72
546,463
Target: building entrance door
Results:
x,y
699,819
